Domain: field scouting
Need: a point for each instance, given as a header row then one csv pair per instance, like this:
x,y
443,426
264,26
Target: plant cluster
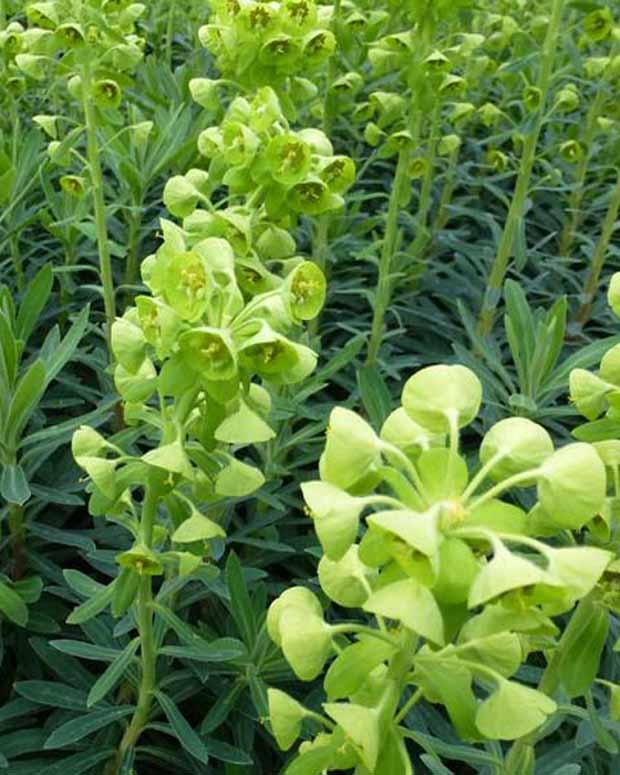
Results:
x,y
247,522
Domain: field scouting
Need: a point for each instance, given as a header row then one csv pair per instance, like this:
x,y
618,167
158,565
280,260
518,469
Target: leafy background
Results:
x,y
50,663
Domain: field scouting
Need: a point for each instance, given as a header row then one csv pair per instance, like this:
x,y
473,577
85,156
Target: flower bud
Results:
x,y
572,485
435,393
352,449
518,445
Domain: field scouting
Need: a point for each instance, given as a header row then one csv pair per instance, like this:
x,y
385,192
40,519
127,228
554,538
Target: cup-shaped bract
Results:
x,y
572,485
210,352
336,516
128,343
307,288
410,437
346,581
435,394
288,158
352,449
517,445
186,282
312,196
286,716
295,622
613,293
588,393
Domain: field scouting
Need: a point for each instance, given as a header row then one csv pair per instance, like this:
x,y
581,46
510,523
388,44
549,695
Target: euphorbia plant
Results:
x,y
450,581
193,362
93,47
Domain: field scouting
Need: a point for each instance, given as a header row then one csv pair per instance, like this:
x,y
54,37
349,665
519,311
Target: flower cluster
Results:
x,y
257,157
461,587
275,43
64,38
192,362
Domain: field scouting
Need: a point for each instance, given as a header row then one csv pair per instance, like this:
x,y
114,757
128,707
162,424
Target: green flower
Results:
x,y
288,158
338,173
313,197
107,93
210,352
187,284
306,286
598,25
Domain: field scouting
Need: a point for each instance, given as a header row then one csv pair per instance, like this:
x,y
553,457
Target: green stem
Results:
x,y
148,648
2,14
331,73
499,488
413,700
105,259
390,241
597,261
169,33
423,235
133,244
447,192
576,198
516,212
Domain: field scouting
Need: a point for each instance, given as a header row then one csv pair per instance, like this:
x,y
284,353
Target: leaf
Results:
x,y
581,647
113,674
450,683
12,605
59,356
240,603
185,734
34,300
14,487
244,427
81,727
93,606
512,711
361,725
27,395
54,694
412,604
374,394
238,480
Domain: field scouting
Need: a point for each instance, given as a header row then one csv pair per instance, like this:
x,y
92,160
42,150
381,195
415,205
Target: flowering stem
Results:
x,y
576,198
598,257
390,241
94,163
423,236
148,649
516,212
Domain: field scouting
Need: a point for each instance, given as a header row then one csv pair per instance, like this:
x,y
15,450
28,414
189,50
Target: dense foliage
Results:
x,y
309,387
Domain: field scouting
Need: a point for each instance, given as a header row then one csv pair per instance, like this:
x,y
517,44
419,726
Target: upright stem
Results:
x,y
576,198
443,213
2,13
133,244
169,33
105,259
496,277
148,649
331,73
390,241
598,257
423,235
